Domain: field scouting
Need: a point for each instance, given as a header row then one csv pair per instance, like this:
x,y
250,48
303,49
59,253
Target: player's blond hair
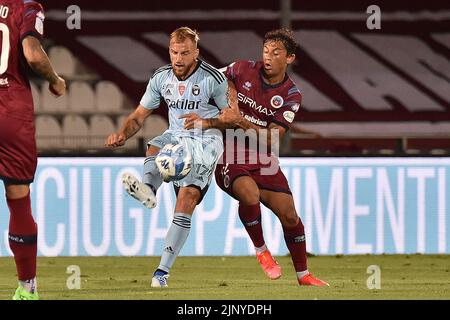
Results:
x,y
183,33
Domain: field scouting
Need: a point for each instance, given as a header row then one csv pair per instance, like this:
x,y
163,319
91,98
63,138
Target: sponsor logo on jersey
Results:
x,y
183,104
255,120
289,116
181,89
247,85
246,100
168,92
276,101
195,89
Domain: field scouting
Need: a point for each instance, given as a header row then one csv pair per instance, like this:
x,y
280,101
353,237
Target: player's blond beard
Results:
x,y
189,70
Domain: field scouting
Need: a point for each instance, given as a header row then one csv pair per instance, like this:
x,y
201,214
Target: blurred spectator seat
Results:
x,y
51,104
154,126
48,133
109,97
100,127
62,60
75,131
81,97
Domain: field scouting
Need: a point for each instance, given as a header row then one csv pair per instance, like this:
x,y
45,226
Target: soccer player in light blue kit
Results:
x,y
188,85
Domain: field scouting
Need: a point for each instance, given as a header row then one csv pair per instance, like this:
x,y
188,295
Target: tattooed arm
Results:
x,y
193,120
132,125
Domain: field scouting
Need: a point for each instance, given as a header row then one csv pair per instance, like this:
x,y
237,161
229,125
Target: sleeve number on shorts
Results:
x,y
4,54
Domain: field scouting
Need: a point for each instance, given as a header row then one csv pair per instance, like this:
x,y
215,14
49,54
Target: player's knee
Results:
x,y
249,199
17,191
151,151
248,195
290,219
187,200
246,191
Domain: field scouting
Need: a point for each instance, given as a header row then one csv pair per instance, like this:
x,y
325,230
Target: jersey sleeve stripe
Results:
x,y
217,72
293,90
221,76
165,68
212,74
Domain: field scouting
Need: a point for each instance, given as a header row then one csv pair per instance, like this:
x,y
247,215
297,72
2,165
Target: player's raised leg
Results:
x,y
282,204
22,235
145,191
187,200
247,192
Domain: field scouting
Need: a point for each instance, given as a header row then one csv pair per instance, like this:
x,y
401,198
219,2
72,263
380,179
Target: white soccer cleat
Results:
x,y
160,281
138,190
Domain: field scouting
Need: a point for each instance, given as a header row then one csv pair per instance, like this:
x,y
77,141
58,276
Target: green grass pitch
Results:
x,y
194,278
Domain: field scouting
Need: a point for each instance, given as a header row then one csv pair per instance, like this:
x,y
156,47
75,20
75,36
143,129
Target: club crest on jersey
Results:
x,y
181,89
195,89
247,85
276,102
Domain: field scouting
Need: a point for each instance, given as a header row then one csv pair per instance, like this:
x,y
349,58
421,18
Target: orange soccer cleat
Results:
x,y
310,280
269,265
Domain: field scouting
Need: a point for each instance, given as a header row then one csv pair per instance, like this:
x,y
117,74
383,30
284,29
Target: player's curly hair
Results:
x,y
183,33
285,36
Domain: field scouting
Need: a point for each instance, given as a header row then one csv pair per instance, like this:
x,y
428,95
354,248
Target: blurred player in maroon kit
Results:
x,y
21,30
267,99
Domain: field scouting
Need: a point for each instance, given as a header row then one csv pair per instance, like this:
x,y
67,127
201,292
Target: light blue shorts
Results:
x,y
205,151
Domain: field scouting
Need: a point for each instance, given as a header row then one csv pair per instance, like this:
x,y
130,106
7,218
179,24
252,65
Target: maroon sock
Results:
x,y
296,243
23,237
251,219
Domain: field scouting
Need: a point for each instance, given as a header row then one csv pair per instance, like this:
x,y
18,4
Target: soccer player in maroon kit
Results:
x,y
267,99
21,30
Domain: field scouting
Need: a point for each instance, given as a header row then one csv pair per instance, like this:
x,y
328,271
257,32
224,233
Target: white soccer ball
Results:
x,y
173,162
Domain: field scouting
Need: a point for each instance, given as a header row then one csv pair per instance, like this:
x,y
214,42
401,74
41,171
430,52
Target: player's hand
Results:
x,y
231,116
192,120
58,88
115,140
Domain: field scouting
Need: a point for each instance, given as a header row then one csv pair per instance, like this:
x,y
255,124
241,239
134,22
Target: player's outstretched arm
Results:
x,y
39,62
132,124
232,114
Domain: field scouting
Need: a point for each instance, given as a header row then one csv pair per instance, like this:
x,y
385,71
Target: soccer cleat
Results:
x,y
22,294
138,190
160,281
269,265
310,280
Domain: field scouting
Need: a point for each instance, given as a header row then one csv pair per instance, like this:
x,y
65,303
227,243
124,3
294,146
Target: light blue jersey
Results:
x,y
204,92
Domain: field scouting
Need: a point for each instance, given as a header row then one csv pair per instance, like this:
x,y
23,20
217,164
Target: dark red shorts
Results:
x,y
18,154
226,174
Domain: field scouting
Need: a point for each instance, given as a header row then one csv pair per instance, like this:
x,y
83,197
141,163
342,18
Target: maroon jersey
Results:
x,y
18,19
260,103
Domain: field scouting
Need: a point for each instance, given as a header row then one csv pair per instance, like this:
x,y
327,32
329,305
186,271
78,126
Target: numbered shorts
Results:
x,y
205,151
226,174
18,154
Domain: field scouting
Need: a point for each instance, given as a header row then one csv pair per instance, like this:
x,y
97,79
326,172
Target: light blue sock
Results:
x,y
175,239
152,177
